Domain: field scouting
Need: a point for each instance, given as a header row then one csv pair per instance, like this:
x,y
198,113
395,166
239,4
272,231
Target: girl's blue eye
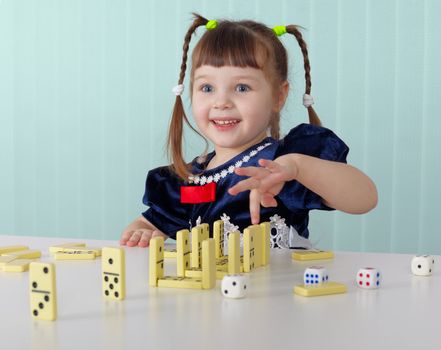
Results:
x,y
206,88
242,88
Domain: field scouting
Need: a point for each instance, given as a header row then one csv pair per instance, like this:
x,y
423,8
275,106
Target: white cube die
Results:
x,y
368,278
234,286
422,265
315,275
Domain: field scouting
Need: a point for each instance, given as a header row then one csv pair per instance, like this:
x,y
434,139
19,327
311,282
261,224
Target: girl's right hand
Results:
x,y
139,237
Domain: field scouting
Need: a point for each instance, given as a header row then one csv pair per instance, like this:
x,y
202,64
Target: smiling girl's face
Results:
x,y
232,106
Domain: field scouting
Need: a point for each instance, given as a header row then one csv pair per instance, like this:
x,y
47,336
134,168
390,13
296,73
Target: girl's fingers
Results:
x,y
267,200
134,239
255,206
145,239
271,181
251,171
157,233
125,237
269,165
244,185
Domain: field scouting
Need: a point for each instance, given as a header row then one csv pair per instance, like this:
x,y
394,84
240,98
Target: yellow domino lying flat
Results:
x,y
17,265
25,254
80,250
74,255
180,282
307,255
324,289
60,247
4,260
43,293
170,253
12,248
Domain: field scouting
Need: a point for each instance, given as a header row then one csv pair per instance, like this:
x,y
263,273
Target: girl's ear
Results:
x,y
283,94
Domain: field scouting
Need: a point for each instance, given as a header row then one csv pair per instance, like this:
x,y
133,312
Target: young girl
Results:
x,y
238,86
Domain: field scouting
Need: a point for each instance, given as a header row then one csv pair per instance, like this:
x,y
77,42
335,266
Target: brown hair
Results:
x,y
239,44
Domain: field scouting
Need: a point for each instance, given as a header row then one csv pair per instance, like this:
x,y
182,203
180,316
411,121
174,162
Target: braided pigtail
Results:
x,y
307,99
174,141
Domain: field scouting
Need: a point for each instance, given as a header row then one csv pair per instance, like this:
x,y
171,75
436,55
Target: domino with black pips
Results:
x,y
249,240
113,273
218,235
156,260
43,291
183,252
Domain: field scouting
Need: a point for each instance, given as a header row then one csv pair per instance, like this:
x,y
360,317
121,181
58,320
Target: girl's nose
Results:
x,y
222,102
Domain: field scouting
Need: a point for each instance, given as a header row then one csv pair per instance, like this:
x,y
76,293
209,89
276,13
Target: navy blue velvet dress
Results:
x,y
162,191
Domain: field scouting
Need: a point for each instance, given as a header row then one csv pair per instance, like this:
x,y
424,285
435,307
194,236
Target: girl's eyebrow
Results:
x,y
236,77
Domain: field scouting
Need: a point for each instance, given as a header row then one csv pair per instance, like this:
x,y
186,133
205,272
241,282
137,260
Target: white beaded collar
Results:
x,y
202,180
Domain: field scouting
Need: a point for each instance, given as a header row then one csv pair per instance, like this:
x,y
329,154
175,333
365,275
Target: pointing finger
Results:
x,y
244,185
255,206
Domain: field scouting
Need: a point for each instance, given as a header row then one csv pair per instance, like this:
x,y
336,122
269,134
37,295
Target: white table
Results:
x,y
403,314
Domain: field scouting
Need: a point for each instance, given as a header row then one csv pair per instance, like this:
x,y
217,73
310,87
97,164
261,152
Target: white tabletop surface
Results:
x,y
403,314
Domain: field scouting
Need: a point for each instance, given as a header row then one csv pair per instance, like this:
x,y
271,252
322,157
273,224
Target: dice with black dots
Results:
x,y
113,273
422,265
234,286
43,292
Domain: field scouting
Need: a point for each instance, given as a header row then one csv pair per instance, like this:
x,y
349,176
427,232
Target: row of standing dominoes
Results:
x,y
190,267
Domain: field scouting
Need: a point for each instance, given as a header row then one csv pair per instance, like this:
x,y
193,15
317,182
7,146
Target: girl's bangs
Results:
x,y
237,48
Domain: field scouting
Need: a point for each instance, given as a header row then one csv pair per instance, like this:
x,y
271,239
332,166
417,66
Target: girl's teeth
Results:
x,y
225,122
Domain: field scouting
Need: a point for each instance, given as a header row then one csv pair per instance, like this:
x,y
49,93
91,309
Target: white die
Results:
x,y
422,265
368,278
234,286
315,275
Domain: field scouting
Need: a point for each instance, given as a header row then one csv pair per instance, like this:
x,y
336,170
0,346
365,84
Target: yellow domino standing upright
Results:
x,y
205,231
266,243
218,235
249,238
113,273
43,291
208,264
207,280
156,260
196,246
183,252
234,253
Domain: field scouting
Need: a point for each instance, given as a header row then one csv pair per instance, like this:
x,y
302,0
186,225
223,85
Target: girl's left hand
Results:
x,y
264,183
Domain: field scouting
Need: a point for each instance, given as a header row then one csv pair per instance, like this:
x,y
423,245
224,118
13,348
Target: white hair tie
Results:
x,y
308,101
178,89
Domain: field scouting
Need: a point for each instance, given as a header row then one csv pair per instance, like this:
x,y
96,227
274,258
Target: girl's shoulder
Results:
x,y
313,140
160,175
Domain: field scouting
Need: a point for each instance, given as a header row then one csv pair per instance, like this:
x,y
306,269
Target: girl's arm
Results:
x,y
139,233
340,185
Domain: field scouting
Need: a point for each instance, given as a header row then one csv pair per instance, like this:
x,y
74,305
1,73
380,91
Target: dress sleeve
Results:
x,y
162,195
313,141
